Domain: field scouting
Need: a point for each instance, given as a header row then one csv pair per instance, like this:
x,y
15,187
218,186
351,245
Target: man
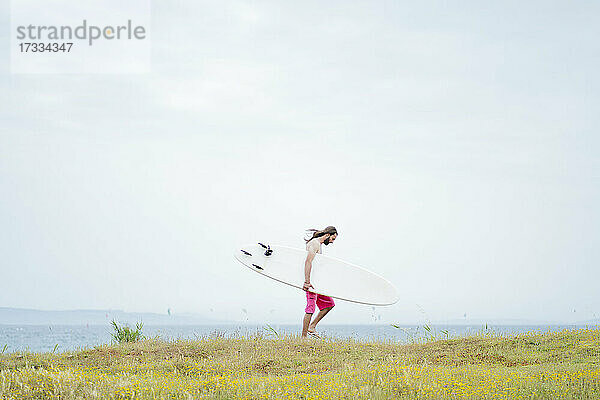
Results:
x,y
325,303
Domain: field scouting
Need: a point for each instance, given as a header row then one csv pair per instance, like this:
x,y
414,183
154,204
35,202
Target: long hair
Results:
x,y
315,233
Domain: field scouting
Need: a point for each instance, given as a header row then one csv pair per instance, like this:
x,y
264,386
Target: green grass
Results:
x,y
123,333
536,365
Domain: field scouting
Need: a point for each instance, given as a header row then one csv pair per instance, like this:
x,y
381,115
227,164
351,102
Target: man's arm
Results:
x,y
312,251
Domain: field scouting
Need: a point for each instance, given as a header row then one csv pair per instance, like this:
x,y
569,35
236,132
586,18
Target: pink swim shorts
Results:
x,y
318,299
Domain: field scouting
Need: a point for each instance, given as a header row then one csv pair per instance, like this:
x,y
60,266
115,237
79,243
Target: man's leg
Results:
x,y
325,304
319,317
311,299
306,323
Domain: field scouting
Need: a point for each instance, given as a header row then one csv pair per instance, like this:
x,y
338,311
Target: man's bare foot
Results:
x,y
312,331
314,334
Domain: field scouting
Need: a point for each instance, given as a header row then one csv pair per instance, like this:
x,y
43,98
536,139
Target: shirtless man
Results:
x,y
325,303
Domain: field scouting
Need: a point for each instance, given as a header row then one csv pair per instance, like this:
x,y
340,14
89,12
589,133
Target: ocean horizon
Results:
x,y
65,338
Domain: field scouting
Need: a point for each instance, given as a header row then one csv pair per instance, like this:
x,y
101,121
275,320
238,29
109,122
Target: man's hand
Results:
x,y
306,286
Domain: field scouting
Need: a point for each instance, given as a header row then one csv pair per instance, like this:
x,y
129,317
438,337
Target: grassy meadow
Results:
x,y
555,365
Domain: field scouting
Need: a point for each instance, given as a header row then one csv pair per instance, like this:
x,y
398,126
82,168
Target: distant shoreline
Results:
x,y
26,316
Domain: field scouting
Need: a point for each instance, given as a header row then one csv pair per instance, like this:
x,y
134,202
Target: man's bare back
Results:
x,y
314,245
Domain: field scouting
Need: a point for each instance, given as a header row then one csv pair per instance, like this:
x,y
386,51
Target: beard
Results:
x,y
326,242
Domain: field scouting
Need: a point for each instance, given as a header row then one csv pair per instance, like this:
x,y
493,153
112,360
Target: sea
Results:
x,y
66,338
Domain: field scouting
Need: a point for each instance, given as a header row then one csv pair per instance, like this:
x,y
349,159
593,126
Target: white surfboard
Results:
x,y
329,276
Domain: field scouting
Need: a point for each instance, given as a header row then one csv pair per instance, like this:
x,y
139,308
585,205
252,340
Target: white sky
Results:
x,y
453,144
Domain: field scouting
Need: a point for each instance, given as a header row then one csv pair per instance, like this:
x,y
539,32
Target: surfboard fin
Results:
x,y
245,252
257,266
268,250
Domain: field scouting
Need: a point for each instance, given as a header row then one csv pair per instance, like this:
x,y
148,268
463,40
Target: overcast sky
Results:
x,y
453,144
